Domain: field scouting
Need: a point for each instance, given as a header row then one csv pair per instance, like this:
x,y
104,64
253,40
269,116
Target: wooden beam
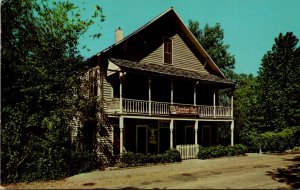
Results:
x,y
172,92
121,126
196,132
149,94
232,130
214,103
171,133
121,91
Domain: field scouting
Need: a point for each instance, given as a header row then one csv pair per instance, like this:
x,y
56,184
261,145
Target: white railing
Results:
x,y
188,151
160,108
135,106
222,111
206,111
163,108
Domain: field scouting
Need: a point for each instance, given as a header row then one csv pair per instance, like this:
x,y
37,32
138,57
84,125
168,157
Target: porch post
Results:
x,y
121,93
232,106
172,92
214,103
195,94
171,132
231,129
121,126
149,93
196,132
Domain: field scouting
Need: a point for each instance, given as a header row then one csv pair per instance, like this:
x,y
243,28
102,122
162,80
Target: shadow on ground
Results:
x,y
289,175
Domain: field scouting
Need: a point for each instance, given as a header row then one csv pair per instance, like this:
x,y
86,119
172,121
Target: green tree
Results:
x,y
40,66
246,110
211,39
279,77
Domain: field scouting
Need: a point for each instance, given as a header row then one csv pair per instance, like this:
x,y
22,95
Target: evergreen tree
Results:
x,y
279,77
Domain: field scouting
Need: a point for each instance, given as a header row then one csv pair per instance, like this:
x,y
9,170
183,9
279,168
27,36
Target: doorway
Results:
x,y
206,136
142,139
189,134
163,136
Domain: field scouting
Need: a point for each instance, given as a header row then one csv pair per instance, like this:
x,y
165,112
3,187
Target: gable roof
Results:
x,y
171,12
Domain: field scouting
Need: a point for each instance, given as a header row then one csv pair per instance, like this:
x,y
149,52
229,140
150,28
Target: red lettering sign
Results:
x,y
185,110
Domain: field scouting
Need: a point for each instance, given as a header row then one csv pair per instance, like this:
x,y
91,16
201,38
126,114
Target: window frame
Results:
x,y
168,40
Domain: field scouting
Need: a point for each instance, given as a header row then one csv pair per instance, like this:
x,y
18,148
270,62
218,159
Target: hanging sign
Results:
x,y
184,110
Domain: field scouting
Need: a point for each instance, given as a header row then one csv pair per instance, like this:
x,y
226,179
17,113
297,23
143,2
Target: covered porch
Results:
x,y
156,135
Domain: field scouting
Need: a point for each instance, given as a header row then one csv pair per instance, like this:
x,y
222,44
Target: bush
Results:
x,y
278,141
129,159
173,155
221,151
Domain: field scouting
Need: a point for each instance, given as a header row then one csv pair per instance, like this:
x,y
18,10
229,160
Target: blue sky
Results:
x,y
250,26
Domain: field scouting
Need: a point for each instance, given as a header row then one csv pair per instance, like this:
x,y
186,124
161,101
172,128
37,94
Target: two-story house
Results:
x,y
159,88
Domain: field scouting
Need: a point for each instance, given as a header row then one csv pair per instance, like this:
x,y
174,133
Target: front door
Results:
x,y
189,134
164,136
142,138
206,136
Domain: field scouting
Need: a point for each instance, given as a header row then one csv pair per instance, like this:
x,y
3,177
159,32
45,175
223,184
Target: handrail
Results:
x,y
163,108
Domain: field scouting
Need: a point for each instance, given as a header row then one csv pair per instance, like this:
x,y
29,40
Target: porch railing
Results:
x,y
135,106
160,108
206,111
163,108
188,151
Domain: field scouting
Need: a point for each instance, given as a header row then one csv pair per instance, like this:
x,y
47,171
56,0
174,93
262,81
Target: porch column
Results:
x,y
195,94
232,106
214,103
231,129
172,92
121,126
171,132
196,132
149,93
121,89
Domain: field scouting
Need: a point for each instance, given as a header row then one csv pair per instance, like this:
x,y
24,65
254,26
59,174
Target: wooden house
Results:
x,y
159,88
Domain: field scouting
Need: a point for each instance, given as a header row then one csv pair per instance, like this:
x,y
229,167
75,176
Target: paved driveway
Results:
x,y
252,171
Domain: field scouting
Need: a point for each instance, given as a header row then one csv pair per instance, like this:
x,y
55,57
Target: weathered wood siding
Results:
x,y
155,57
183,57
107,90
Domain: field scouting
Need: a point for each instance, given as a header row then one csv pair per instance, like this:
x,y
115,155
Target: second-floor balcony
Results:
x,y
152,108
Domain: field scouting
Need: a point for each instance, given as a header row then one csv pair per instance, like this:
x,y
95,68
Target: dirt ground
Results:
x,y
251,172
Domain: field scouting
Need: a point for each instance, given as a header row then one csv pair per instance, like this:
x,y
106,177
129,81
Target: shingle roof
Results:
x,y
167,70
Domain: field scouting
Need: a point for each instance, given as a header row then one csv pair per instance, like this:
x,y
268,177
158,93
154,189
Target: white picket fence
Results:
x,y
188,151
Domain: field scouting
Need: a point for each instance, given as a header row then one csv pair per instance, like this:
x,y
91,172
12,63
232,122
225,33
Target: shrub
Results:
x,y
173,155
129,159
221,151
278,141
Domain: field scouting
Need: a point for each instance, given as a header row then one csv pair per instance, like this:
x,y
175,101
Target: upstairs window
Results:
x,y
168,57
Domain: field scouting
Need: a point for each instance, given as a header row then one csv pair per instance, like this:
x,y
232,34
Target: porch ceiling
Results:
x,y
169,70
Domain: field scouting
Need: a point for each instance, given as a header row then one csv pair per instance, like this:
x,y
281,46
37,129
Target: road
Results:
x,y
251,172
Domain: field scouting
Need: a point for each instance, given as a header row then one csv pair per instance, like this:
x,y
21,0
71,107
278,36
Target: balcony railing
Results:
x,y
132,106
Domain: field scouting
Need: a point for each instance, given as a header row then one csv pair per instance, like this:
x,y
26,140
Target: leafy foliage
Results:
x,y
130,159
221,151
211,38
279,141
278,79
40,68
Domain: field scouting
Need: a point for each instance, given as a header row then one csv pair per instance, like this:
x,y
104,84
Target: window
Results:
x,y
168,50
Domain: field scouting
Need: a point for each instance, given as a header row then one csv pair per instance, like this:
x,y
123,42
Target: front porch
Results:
x,y
156,135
